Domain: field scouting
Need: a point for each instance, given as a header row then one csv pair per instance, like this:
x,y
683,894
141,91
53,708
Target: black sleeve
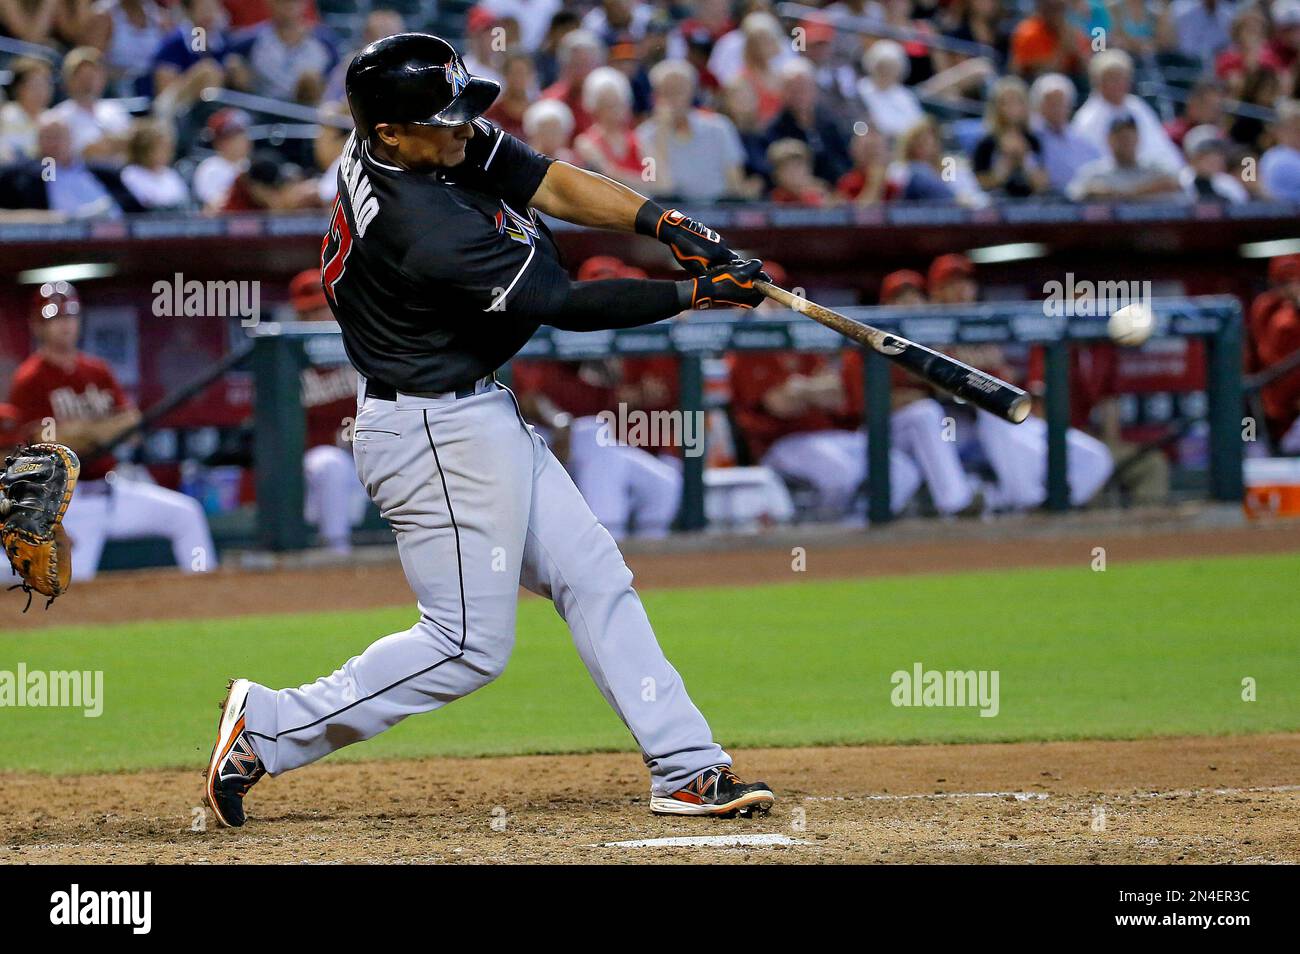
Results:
x,y
500,165
620,303
982,157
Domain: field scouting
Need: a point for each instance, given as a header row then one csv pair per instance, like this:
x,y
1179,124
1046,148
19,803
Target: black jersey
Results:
x,y
438,279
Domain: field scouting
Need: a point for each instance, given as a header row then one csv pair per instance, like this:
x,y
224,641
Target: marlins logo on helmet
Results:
x,y
457,76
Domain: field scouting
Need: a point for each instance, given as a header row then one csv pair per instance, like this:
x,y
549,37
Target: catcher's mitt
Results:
x,y
35,490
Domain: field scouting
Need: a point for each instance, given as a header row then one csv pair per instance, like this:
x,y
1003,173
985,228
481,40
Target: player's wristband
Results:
x,y
686,293
647,218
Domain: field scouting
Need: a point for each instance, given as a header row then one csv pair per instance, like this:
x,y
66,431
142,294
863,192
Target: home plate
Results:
x,y
765,840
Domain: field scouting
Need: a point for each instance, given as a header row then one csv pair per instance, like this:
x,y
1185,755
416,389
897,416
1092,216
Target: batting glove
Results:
x,y
696,247
729,286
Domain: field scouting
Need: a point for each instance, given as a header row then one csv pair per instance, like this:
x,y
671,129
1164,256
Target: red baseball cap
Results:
x,y
947,267
1283,269
56,300
779,275
602,266
226,122
306,293
896,282
479,19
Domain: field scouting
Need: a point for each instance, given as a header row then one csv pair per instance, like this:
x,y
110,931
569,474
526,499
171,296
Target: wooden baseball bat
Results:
x,y
970,384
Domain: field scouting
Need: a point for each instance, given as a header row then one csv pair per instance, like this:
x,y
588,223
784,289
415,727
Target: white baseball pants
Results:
x,y
479,505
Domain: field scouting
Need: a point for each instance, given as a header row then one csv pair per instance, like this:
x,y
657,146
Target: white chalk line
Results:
x,y
763,840
1043,796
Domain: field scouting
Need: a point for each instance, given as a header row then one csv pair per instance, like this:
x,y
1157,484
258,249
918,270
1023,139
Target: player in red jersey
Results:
x,y
61,394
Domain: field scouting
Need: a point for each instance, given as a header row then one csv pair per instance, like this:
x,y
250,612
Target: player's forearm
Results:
x,y
587,198
620,303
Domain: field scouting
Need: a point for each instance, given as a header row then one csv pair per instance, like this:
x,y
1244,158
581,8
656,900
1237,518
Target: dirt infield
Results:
x,y
1155,801
165,594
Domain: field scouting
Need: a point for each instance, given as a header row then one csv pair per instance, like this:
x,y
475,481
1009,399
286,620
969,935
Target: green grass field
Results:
x,y
1143,649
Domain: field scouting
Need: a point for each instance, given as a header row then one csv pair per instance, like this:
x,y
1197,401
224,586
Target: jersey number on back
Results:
x,y
334,250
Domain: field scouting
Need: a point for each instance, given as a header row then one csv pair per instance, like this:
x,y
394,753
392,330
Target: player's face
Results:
x,y
60,333
425,147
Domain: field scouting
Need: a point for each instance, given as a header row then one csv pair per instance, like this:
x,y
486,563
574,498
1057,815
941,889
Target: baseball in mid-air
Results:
x,y
1131,325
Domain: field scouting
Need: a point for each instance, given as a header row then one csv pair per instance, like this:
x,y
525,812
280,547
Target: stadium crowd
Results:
x,y
235,105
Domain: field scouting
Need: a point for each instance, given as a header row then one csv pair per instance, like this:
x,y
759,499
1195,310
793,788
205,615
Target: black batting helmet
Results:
x,y
414,78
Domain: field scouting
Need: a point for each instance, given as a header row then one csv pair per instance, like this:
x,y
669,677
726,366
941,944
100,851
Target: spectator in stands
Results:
x,y
761,56
1204,107
803,118
533,16
28,21
379,23
697,155
77,190
548,128
978,21
611,19
1064,151
609,145
921,171
1275,329
633,60
579,53
793,180
546,57
699,44
1205,177
1047,42
708,18
740,105
1202,27
192,57
891,106
31,93
1143,28
1111,74
135,28
518,92
228,131
1279,167
1008,160
1123,174
271,185
485,43
835,78
331,136
99,126
148,174
1285,42
288,58
1250,50
758,38
1261,88
868,181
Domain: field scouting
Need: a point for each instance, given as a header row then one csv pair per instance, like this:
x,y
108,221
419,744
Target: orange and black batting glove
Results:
x,y
696,247
729,286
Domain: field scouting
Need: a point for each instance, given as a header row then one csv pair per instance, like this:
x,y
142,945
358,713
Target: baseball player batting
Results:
x,y
438,270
